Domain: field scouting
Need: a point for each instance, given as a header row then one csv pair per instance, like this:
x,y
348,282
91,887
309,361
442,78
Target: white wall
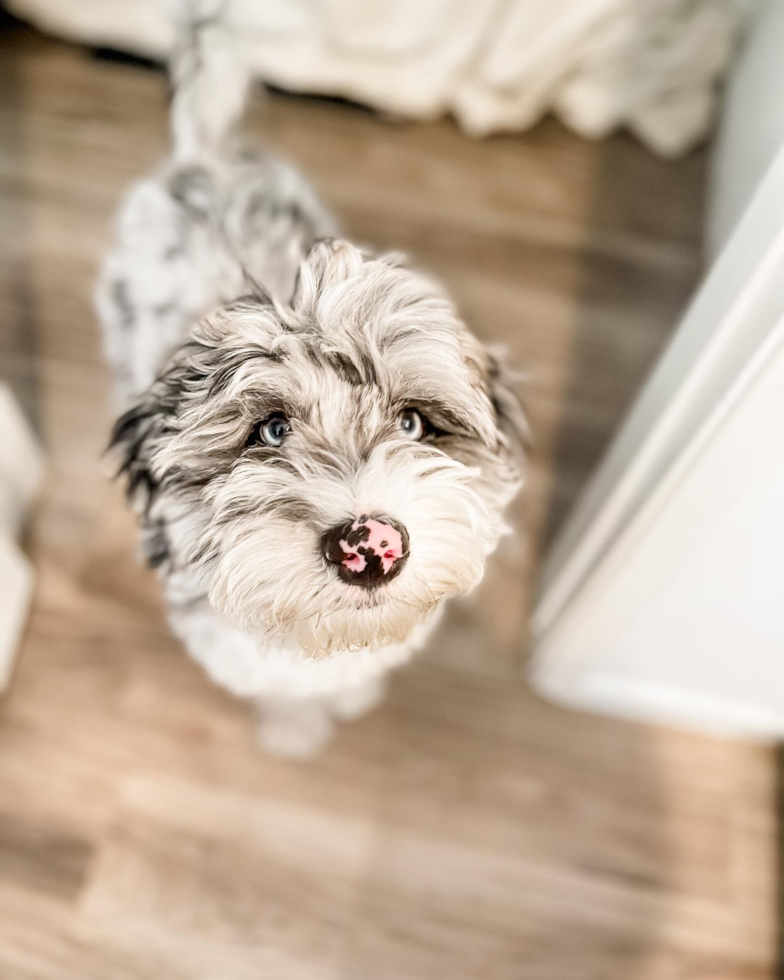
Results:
x,y
751,130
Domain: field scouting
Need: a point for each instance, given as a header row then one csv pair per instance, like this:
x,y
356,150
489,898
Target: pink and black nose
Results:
x,y
368,552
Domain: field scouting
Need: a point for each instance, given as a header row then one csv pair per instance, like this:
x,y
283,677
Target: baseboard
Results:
x,y
638,700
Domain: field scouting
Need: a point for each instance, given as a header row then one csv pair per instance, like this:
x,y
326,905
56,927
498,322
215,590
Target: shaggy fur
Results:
x,y
228,303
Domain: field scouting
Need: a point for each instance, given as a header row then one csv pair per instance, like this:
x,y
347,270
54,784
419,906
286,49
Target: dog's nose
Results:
x,y
368,552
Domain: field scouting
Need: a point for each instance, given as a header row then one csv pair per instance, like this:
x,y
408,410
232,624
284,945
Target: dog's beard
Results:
x,y
264,566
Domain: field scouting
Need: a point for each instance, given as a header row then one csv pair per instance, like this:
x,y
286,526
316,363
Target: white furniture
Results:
x,y
649,65
21,472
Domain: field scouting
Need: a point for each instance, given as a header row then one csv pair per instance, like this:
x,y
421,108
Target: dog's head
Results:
x,y
334,468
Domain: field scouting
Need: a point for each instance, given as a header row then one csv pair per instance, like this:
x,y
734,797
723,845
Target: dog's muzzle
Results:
x,y
369,551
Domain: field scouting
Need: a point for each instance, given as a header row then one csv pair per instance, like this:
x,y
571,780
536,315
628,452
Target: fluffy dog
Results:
x,y
318,449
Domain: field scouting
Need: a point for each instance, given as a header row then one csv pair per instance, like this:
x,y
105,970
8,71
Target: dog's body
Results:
x,y
318,449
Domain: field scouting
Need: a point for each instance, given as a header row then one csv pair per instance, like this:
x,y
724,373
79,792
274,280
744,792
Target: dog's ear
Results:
x,y
144,427
510,416
135,437
132,440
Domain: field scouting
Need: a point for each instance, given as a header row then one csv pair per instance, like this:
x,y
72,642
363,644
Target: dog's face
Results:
x,y
336,468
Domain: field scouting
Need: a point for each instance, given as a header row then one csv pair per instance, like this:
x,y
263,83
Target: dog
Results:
x,y
318,449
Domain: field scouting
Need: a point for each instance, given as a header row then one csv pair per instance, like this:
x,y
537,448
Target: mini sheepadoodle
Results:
x,y
318,449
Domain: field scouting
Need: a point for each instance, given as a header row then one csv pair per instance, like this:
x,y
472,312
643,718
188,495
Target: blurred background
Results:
x,y
572,169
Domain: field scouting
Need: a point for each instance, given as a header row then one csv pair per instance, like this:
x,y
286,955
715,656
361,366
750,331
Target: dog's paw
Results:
x,y
354,702
294,731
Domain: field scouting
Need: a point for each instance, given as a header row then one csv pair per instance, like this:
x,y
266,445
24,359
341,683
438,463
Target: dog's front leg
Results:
x,y
294,728
298,728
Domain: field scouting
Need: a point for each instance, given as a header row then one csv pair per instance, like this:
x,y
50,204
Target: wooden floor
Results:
x,y
465,831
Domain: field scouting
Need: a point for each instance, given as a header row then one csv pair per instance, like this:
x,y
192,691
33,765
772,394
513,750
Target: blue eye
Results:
x,y
272,431
411,424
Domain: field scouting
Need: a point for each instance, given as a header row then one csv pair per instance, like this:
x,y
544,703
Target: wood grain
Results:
x,y
464,830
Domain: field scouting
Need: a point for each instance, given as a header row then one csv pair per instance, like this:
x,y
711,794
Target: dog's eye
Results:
x,y
411,424
271,432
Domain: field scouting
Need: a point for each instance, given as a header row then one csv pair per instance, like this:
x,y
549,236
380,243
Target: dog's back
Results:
x,y
218,221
